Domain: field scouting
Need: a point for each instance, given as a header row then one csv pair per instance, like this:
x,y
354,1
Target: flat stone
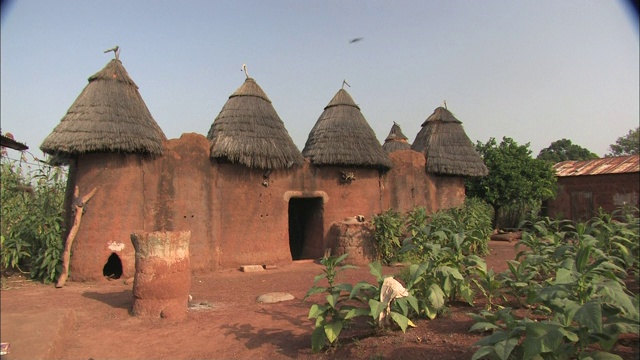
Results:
x,y
251,268
274,297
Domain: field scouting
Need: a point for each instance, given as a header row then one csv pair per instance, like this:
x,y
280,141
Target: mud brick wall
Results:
x,y
353,238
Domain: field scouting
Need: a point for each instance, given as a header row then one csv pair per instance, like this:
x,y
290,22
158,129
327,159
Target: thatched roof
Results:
x,y
8,141
396,140
248,131
446,147
108,116
342,136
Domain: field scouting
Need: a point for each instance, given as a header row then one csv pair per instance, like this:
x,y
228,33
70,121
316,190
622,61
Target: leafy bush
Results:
x,y
31,222
341,300
573,278
388,232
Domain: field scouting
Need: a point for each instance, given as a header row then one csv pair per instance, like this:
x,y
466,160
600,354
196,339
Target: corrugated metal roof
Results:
x,y
608,165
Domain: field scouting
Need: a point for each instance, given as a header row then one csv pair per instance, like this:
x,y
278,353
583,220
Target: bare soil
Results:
x,y
226,322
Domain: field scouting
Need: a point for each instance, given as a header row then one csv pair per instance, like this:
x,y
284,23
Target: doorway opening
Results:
x,y
305,228
113,268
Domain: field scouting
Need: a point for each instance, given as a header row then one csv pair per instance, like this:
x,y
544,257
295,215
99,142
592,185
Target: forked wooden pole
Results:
x,y
66,254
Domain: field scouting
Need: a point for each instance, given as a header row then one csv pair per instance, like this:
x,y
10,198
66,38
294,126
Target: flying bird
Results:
x,y
355,40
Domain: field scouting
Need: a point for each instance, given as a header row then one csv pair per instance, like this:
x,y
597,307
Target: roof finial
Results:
x,y
344,82
116,51
244,68
444,102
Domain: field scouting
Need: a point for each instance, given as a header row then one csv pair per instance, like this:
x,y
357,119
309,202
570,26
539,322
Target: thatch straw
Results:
x,y
446,147
248,131
9,142
396,140
108,116
342,137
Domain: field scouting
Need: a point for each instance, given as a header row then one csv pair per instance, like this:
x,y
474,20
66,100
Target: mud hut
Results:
x,y
396,140
450,155
342,137
254,162
107,136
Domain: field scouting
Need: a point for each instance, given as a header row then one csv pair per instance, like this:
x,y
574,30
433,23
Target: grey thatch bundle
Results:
x,y
342,136
108,116
396,140
248,131
447,147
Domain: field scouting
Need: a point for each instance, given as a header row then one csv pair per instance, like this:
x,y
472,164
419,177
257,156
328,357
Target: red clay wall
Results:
x,y
251,219
234,220
407,185
607,191
449,191
113,212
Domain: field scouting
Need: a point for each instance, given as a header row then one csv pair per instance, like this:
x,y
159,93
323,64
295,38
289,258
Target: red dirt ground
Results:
x,y
93,321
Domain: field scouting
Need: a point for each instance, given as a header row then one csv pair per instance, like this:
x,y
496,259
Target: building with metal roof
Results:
x,y
586,186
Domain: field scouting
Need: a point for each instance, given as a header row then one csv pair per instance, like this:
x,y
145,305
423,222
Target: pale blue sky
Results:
x,y
536,71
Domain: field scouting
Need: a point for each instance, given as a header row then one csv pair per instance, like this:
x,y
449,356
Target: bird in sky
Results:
x,y
355,40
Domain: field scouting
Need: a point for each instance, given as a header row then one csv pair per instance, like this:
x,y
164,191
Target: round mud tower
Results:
x,y
163,275
354,238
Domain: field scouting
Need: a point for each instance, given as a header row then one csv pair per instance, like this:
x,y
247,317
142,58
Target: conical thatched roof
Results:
x,y
342,136
248,131
446,147
108,116
396,140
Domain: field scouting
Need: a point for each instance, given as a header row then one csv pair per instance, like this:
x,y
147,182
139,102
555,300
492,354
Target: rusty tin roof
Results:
x,y
607,165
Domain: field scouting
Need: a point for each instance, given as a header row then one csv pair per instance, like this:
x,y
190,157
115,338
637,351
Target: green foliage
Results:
x,y
473,219
388,231
31,221
573,278
332,316
626,145
342,299
514,176
563,150
444,268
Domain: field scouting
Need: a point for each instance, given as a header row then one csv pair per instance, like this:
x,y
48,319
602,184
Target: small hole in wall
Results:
x,y
113,268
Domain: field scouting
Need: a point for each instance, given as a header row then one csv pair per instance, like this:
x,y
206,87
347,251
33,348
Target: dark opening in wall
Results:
x,y
305,228
113,268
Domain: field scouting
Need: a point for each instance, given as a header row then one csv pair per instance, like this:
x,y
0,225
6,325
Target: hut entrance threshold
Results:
x,y
305,228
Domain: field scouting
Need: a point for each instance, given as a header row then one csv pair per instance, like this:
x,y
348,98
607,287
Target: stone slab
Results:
x,y
274,297
251,268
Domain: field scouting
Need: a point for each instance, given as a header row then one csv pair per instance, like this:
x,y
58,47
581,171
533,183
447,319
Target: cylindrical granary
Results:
x,y
355,238
163,275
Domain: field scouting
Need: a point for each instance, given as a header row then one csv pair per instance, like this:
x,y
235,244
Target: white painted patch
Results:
x,y
115,246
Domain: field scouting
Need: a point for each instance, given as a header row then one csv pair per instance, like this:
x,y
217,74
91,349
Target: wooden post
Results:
x,y
66,254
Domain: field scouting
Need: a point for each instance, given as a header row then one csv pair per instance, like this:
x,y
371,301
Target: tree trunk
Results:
x,y
66,254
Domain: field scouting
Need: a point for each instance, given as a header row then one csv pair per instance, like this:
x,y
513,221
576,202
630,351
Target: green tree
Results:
x,y
514,176
563,150
626,145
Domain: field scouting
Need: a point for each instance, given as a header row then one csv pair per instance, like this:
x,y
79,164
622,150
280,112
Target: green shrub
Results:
x,y
31,222
345,302
572,276
387,234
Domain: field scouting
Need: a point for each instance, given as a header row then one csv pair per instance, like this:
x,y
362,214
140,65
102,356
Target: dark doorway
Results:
x,y
113,268
581,206
305,228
